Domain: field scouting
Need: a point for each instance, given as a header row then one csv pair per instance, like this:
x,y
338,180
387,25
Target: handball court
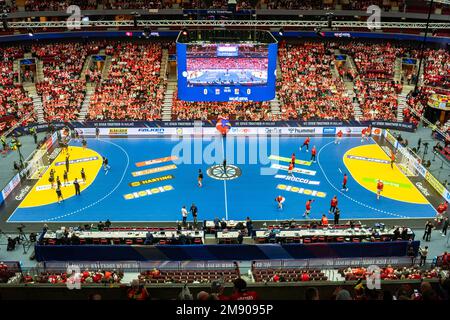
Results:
x,y
149,182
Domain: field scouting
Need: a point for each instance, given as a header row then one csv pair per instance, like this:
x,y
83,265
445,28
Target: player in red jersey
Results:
x,y
344,182
363,134
306,144
380,187
338,137
313,154
392,159
293,159
333,204
280,200
308,208
290,169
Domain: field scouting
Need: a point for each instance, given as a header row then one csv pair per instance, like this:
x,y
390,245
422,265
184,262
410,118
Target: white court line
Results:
x,y
106,196
225,184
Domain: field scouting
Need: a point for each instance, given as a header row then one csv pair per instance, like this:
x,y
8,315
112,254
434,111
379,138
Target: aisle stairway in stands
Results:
x,y
352,94
16,69
402,101
168,98
37,100
106,67
39,70
164,64
349,85
275,105
398,70
86,65
90,89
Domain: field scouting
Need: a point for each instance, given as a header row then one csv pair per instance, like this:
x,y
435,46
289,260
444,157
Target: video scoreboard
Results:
x,y
224,71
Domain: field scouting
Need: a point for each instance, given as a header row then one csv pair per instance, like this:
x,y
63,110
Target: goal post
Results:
x,y
407,161
37,163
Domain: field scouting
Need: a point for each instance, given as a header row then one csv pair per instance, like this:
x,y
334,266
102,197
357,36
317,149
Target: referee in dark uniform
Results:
x,y
77,187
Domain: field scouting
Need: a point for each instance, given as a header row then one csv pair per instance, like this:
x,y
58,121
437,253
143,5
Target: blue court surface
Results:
x,y
252,193
232,77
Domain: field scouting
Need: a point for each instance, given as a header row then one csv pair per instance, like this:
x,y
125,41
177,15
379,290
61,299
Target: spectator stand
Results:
x,y
10,271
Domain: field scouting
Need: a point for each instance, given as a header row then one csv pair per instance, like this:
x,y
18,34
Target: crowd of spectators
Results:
x,y
307,89
60,5
133,90
62,90
14,101
392,273
85,277
245,111
378,99
288,275
374,61
437,68
419,6
195,64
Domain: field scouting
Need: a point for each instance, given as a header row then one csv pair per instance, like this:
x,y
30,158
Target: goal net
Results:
x,y
407,161
37,164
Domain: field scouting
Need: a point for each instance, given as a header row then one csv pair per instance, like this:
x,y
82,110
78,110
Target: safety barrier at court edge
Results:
x,y
418,166
15,181
234,131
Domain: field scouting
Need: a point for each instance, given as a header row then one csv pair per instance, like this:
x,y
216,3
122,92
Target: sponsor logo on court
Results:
x,y
368,159
284,159
308,192
424,190
148,192
155,161
296,170
63,184
388,183
153,170
23,193
152,180
61,163
118,131
296,179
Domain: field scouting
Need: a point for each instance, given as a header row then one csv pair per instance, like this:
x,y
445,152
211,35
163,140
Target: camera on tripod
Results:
x,y
20,228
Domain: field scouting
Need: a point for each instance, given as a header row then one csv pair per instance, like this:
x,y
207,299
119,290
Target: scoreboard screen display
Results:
x,y
226,71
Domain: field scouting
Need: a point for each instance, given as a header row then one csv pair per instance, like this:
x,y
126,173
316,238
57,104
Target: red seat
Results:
x,y
129,241
306,240
82,241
